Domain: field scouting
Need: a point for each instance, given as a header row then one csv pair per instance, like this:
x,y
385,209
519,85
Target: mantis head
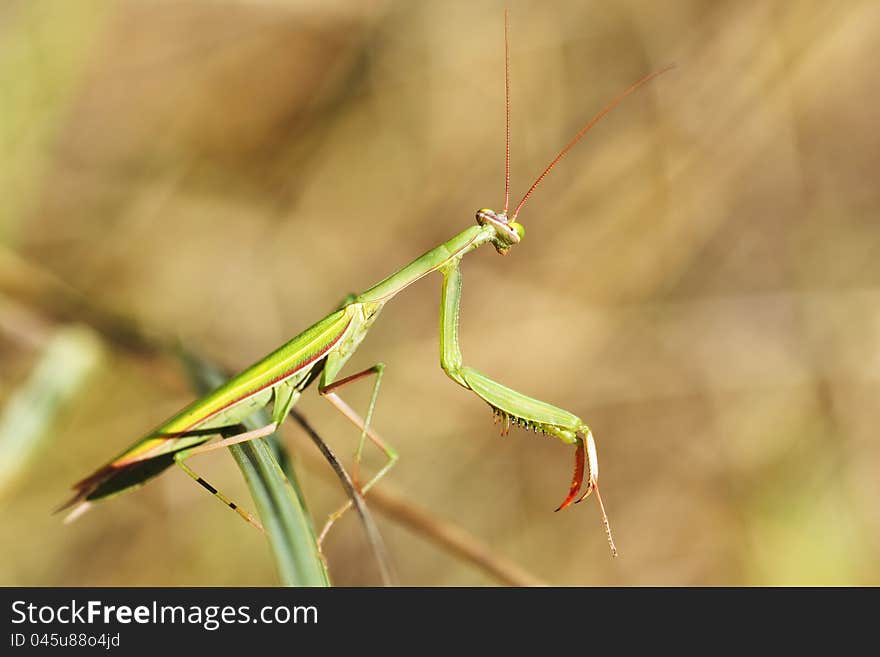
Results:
x,y
507,232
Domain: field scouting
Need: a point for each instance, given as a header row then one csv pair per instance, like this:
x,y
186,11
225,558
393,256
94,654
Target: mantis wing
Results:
x,y
289,368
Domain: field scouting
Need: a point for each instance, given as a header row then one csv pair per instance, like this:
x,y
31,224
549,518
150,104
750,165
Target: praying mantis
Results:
x,y
319,354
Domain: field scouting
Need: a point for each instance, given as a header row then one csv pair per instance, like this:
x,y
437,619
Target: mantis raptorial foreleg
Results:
x,y
515,407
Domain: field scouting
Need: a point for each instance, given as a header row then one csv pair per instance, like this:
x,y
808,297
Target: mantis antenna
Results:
x,y
507,114
583,131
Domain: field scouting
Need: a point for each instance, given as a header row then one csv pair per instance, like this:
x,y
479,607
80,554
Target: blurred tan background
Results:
x,y
700,279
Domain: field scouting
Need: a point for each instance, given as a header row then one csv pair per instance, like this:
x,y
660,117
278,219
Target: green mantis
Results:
x,y
319,354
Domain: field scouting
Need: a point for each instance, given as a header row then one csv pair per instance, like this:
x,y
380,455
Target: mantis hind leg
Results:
x,y
327,391
227,441
218,494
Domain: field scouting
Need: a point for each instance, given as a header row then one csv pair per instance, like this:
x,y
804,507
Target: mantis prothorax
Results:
x,y
320,352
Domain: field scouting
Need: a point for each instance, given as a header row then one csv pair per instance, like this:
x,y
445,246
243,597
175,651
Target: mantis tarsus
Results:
x,y
320,352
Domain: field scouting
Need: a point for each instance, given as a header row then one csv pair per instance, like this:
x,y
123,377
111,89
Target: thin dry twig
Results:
x,y
357,499
446,534
443,533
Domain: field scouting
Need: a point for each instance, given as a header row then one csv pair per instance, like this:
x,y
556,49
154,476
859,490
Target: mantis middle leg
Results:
x,y
327,391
